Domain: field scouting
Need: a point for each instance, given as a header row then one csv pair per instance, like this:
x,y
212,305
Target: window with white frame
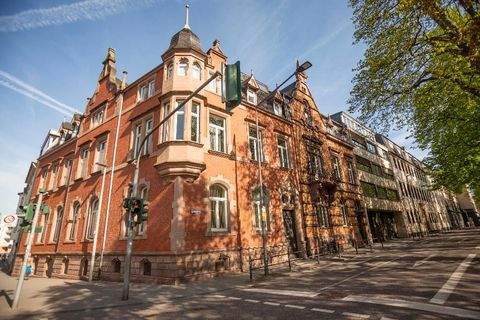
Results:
x,y
98,116
277,109
218,208
251,97
149,142
92,219
183,67
307,114
41,236
336,167
58,224
351,171
179,121
255,149
73,222
196,71
322,216
137,138
67,166
53,177
83,163
43,179
216,129
212,85
315,164
195,122
344,211
100,154
146,91
165,130
257,207
282,144
169,70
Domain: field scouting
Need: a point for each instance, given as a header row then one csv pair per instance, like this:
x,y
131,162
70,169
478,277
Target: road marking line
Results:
x,y
291,293
234,298
356,315
386,318
252,300
323,310
418,263
449,286
294,306
218,296
477,247
451,311
271,303
359,274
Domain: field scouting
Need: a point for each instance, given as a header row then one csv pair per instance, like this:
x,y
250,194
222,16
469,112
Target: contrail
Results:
x,y
69,13
11,82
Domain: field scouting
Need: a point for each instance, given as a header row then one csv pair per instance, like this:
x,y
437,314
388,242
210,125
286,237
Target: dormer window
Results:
x,y
183,67
196,71
98,116
146,91
307,114
251,97
277,109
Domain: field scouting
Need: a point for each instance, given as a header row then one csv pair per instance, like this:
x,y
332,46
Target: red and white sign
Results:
x,y
10,219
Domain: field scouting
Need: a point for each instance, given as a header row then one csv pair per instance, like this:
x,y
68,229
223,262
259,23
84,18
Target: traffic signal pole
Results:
x,y
128,253
28,249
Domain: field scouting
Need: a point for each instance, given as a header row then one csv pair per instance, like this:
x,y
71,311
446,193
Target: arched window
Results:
x,y
73,222
344,211
183,67
92,218
196,71
218,207
58,224
257,207
146,267
169,70
116,265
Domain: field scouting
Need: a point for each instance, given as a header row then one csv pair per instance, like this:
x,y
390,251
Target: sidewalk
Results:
x,y
42,296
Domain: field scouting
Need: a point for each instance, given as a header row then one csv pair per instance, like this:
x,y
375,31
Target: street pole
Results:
x,y
28,249
97,222
128,253
263,212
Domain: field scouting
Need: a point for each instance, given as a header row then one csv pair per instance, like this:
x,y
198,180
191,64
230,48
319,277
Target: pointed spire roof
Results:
x,y
185,38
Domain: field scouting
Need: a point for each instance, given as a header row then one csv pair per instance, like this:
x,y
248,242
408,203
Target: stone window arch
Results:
x,y
257,207
196,71
116,265
218,196
183,67
57,224
92,218
146,267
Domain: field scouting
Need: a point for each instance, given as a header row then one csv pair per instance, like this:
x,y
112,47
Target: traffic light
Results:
x,y
28,213
144,210
233,85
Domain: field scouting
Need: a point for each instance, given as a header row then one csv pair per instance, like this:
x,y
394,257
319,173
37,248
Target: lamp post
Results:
x,y
97,221
263,216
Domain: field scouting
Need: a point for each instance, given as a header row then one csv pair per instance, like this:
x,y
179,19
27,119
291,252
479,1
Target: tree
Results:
x,y
421,71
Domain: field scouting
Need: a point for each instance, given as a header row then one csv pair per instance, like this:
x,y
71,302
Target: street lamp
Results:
x,y
304,66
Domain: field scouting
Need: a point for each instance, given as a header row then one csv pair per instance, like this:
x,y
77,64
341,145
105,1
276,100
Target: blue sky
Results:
x,y
57,47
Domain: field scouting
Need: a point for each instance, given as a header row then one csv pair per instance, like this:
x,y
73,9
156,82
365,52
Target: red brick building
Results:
x,y
199,172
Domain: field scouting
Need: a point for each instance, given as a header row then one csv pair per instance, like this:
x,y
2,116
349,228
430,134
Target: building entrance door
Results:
x,y
361,226
289,226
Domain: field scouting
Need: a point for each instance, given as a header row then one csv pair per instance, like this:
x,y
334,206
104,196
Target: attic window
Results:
x,y
277,109
251,97
307,114
146,91
98,116
196,71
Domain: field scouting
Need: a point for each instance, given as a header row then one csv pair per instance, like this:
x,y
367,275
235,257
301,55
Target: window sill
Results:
x,y
87,240
218,232
69,241
220,154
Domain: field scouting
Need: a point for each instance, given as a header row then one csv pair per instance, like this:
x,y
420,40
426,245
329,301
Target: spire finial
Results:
x,y
186,16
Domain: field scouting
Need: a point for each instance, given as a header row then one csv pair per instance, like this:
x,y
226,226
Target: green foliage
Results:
x,y
421,71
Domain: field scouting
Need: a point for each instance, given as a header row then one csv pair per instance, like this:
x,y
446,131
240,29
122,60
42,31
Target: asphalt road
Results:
x,y
434,278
